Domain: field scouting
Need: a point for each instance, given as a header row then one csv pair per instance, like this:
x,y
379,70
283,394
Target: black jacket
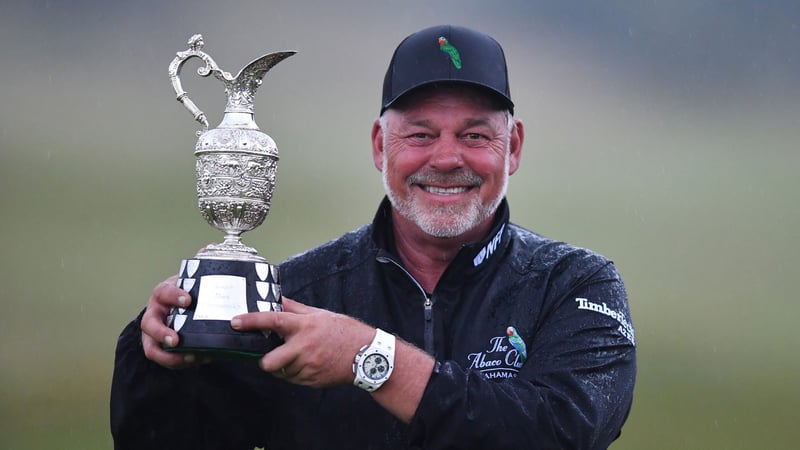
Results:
x,y
572,388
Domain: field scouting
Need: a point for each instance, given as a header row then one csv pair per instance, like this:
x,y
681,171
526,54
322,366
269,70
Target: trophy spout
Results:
x,y
241,90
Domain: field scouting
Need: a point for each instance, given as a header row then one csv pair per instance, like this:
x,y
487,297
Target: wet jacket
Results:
x,y
569,385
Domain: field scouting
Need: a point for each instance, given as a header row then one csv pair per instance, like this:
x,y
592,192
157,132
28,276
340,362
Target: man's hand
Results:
x,y
154,330
319,345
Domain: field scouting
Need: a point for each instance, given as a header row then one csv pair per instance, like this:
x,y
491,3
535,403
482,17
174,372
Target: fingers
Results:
x,y
155,332
318,347
168,294
154,352
165,296
274,321
296,307
280,322
281,363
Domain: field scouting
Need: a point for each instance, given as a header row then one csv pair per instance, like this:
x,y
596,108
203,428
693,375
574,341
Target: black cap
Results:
x,y
447,54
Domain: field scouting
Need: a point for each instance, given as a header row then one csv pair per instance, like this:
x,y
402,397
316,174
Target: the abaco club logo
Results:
x,y
502,357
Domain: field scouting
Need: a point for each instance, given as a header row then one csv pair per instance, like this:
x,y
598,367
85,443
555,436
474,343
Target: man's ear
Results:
x,y
515,147
377,144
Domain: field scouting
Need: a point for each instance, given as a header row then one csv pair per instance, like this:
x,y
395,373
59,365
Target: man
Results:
x,y
485,335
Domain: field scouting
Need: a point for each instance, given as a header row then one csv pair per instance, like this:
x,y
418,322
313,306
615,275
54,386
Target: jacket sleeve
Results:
x,y
204,407
573,392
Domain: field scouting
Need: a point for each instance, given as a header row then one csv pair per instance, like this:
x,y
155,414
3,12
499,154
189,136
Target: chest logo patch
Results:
x,y
501,358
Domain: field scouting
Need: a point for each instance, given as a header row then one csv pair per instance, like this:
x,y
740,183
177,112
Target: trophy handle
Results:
x,y
195,51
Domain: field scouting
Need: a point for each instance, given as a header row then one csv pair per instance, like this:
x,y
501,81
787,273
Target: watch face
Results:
x,y
375,366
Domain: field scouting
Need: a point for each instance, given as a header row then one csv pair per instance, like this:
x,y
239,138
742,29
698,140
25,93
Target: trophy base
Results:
x,y
222,289
226,345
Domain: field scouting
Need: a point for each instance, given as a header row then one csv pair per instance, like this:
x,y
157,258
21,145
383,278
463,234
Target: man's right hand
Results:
x,y
156,333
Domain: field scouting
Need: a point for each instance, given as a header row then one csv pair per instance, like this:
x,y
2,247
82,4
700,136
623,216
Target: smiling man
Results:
x,y
439,325
446,152
459,147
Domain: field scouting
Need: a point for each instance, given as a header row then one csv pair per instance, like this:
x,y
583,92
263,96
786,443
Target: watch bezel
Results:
x,y
383,360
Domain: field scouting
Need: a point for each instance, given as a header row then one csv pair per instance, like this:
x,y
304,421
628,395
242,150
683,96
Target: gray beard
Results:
x,y
450,220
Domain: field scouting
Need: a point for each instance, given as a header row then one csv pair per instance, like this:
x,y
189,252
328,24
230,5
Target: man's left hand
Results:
x,y
319,347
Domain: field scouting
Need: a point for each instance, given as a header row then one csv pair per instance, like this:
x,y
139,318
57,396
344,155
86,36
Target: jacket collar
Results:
x,y
470,259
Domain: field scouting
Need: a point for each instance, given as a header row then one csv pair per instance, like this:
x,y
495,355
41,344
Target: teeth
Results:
x,y
443,191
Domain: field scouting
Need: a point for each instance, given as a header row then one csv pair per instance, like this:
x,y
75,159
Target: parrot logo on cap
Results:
x,y
451,51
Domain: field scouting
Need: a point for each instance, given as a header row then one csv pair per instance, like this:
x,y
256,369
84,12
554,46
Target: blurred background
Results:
x,y
661,134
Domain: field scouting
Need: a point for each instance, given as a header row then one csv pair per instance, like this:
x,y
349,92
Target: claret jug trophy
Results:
x,y
236,167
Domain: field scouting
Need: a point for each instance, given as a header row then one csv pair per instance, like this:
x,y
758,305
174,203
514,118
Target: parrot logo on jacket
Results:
x,y
448,48
517,342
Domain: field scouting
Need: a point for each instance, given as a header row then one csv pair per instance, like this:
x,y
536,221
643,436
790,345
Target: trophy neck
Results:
x,y
231,248
237,119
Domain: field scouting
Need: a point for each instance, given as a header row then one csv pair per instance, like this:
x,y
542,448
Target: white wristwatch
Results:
x,y
374,362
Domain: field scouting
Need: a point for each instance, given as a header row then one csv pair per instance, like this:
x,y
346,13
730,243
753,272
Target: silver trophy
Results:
x,y
236,168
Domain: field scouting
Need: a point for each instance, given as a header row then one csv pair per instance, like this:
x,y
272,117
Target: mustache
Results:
x,y
461,177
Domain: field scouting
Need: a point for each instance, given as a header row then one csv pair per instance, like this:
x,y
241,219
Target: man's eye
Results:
x,y
475,139
419,138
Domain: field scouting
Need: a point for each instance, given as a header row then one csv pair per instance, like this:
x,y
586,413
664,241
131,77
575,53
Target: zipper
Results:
x,y
427,305
428,324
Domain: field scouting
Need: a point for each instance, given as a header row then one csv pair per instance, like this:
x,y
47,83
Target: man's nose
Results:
x,y
446,154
